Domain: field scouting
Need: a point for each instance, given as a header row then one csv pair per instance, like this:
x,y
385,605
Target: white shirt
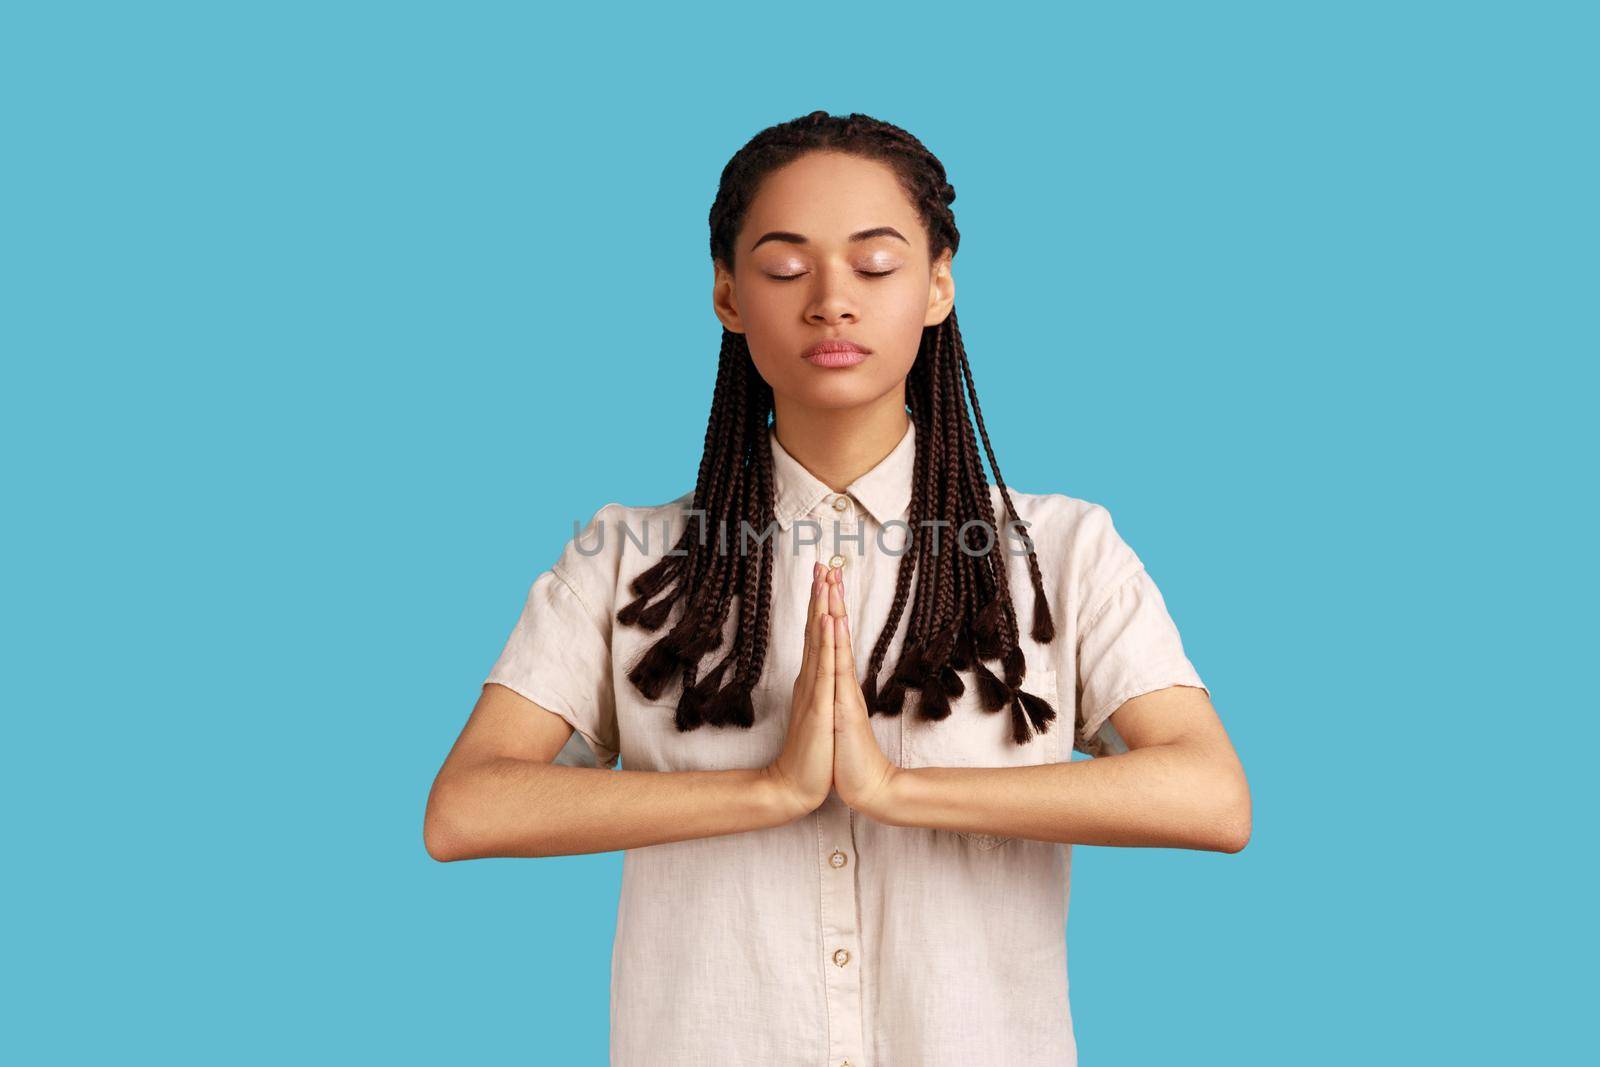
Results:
x,y
834,939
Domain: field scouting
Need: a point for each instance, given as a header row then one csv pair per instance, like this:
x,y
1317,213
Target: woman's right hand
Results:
x,y
803,771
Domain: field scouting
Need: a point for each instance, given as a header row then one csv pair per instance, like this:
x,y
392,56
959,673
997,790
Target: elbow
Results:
x,y
1221,808
1232,824
441,836
1235,835
436,841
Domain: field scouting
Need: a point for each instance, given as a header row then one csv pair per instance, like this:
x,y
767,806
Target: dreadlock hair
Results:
x,y
962,611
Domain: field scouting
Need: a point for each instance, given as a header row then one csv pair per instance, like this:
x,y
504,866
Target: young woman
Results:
x,y
844,674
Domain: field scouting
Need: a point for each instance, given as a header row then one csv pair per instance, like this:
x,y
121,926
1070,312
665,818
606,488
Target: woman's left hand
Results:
x,y
861,772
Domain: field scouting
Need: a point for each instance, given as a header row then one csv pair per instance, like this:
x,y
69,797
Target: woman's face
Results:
x,y
832,249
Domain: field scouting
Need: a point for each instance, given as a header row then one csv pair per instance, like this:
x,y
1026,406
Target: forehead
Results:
x,y
827,196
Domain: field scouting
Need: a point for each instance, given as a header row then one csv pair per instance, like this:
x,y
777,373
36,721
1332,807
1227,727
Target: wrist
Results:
x,y
778,796
887,801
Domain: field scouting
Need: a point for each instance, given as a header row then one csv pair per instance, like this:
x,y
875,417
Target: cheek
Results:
x,y
892,358
773,318
769,311
774,333
900,324
910,308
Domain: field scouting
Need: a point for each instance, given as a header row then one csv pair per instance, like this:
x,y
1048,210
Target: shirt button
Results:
x,y
840,502
838,859
841,956
836,561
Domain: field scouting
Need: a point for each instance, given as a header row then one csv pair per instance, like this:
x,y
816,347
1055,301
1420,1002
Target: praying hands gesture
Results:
x,y
830,744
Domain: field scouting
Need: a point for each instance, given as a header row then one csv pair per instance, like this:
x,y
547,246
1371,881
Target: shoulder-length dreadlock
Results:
x,y
962,612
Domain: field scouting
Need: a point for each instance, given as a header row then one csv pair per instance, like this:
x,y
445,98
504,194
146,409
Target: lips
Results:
x,y
837,353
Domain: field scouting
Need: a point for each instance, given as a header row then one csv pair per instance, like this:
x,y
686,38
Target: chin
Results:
x,y
838,390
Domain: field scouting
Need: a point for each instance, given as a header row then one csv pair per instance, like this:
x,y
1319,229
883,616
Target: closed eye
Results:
x,y
802,274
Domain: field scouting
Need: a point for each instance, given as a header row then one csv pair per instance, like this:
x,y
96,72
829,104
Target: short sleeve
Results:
x,y
1129,647
1127,642
559,652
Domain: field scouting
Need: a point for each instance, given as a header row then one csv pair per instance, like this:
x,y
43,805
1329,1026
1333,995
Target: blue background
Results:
x,y
322,322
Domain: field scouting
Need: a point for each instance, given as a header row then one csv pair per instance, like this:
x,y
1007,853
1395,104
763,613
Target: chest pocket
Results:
x,y
973,737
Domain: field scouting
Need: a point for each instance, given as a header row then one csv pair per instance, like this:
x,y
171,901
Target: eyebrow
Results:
x,y
800,239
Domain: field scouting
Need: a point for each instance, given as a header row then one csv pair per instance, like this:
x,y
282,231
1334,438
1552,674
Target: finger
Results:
x,y
825,660
808,657
805,682
846,687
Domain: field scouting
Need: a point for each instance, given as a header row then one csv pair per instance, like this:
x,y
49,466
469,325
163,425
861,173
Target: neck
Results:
x,y
839,445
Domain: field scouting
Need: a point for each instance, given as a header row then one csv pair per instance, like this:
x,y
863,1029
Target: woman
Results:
x,y
826,863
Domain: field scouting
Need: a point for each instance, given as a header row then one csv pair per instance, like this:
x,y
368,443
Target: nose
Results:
x,y
832,298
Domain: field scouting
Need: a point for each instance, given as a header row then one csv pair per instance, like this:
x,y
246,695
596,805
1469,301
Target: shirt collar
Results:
x,y
884,491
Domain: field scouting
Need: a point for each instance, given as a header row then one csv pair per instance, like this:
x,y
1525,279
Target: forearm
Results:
x,y
513,807
1158,796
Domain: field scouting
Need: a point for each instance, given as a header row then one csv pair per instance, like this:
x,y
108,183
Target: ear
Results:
x,y
941,290
724,300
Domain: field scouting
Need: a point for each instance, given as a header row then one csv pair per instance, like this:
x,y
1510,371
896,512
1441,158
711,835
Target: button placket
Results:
x,y
840,937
